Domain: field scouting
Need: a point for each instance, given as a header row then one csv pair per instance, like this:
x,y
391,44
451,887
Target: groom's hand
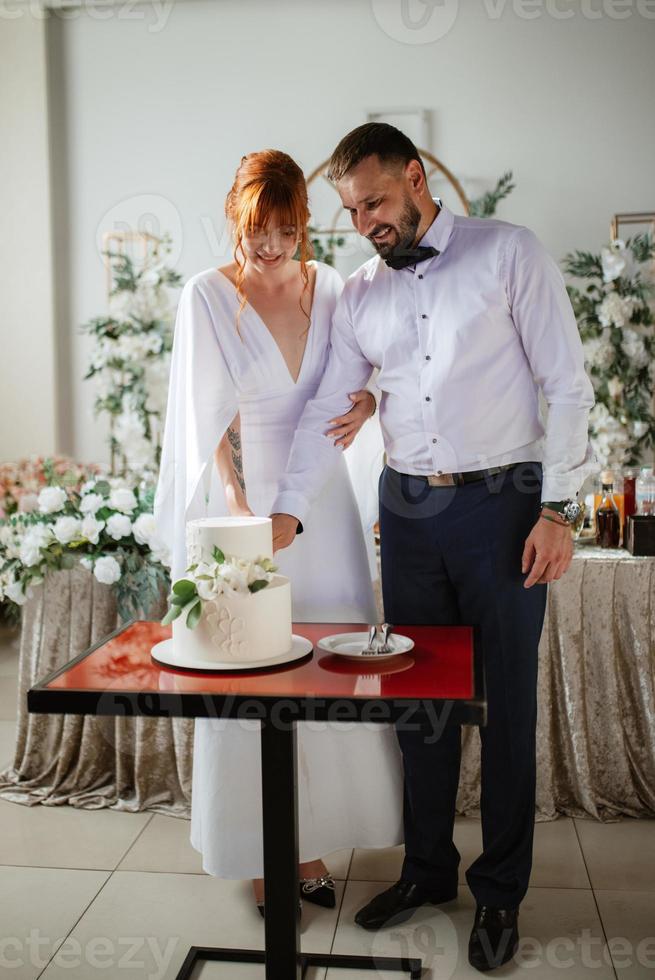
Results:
x,y
285,528
548,552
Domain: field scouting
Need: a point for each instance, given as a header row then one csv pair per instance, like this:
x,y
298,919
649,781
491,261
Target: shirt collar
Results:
x,y
439,231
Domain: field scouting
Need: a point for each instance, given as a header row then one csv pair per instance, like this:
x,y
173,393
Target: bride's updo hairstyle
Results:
x,y
268,187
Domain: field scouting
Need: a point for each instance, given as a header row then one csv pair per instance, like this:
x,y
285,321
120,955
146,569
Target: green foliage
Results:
x,y
485,205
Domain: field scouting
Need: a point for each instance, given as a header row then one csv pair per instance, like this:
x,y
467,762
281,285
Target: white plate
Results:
x,y
352,644
164,654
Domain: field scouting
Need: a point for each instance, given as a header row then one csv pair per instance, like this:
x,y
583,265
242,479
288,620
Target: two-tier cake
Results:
x,y
231,609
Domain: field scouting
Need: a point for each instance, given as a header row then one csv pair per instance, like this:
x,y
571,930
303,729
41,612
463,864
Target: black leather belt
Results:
x,y
459,479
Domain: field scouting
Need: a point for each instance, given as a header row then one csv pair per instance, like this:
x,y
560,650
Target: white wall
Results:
x,y
28,404
159,118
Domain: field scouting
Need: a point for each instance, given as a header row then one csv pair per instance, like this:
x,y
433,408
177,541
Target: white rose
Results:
x,y
208,589
51,499
88,486
118,526
86,563
107,570
615,310
91,503
122,499
160,551
14,591
144,528
28,503
614,260
235,578
91,528
634,348
35,539
66,529
599,351
615,387
153,343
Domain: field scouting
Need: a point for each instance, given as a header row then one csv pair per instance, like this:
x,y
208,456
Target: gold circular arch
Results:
x,y
436,166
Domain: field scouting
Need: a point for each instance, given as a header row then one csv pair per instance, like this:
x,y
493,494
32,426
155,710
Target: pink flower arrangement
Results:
x,y
21,481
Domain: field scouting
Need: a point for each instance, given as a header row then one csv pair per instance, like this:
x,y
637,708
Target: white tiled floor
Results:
x,y
99,893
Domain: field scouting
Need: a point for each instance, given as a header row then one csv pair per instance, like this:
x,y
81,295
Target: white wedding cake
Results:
x,y
236,625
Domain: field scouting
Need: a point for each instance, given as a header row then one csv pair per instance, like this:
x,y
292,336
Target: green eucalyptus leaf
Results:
x,y
258,585
194,614
183,587
218,555
172,614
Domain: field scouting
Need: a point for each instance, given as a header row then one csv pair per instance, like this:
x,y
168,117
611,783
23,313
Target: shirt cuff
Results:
x,y
293,503
566,485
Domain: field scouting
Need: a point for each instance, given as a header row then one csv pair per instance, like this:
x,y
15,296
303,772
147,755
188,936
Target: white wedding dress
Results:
x,y
350,775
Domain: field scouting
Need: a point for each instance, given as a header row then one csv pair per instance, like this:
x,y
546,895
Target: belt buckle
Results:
x,y
441,480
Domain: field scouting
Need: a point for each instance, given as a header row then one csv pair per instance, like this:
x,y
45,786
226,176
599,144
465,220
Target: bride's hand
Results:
x,y
285,528
348,425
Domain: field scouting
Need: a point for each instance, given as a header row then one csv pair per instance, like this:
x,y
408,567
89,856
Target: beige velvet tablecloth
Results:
x,y
83,760
596,727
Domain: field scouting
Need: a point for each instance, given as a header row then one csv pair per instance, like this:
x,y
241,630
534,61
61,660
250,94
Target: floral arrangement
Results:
x,y
615,318
20,482
105,525
225,575
130,357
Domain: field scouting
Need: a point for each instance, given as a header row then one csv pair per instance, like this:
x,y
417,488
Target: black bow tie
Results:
x,y
410,256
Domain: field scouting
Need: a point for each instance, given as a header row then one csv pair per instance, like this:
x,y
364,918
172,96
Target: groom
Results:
x,y
466,319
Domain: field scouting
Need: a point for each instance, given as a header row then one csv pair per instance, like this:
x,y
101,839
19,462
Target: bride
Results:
x,y
251,344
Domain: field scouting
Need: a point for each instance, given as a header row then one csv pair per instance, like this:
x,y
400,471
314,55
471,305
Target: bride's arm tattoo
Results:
x,y
237,458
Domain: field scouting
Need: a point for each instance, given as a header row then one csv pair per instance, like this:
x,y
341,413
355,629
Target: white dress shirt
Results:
x,y
463,343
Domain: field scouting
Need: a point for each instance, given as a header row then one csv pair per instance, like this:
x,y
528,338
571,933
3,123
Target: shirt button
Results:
x,y
427,398
434,440
420,276
439,472
424,316
427,357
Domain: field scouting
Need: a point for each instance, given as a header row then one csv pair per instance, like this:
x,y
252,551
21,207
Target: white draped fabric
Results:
x,y
350,778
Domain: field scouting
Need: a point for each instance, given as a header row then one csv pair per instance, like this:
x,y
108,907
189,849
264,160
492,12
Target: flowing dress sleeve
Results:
x,y
365,461
202,401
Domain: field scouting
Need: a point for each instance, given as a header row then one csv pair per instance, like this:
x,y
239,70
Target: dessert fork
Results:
x,y
375,644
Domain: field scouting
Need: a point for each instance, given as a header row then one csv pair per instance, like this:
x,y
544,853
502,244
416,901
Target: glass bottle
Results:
x,y
629,499
608,520
645,491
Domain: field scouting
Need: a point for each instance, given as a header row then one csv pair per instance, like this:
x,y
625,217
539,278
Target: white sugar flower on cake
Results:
x,y
227,576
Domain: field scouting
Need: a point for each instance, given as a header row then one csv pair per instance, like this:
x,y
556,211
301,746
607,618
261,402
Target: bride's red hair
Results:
x,y
268,185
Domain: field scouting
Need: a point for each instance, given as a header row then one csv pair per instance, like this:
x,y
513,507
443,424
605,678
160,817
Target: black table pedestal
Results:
x,y
282,957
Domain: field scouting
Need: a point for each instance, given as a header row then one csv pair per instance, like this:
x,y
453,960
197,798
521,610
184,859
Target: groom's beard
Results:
x,y
402,235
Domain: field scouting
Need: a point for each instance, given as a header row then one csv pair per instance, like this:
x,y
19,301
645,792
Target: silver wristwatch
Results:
x,y
568,510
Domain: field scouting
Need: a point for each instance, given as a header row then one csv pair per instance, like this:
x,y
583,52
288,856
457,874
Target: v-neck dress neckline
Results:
x,y
250,308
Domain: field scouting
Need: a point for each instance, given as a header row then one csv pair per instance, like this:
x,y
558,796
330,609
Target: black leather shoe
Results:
x,y
398,903
320,891
494,937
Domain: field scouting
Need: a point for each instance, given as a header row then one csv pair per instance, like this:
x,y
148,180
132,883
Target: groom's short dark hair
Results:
x,y
381,139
